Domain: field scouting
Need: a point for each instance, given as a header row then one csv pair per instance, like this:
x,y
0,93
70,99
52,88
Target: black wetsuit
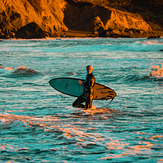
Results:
x,y
87,96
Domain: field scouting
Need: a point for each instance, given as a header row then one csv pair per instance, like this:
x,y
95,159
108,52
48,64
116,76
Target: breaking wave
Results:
x,y
138,46
80,139
156,71
19,71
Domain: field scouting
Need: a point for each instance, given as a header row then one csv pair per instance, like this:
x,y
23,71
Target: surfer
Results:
x,y
88,85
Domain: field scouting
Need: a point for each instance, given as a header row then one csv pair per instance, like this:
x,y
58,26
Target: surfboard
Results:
x,y
71,87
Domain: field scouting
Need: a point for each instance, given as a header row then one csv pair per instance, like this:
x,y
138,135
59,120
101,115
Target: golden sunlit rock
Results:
x,y
55,17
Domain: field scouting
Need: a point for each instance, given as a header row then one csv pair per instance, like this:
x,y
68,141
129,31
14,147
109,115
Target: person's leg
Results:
x,y
78,102
89,98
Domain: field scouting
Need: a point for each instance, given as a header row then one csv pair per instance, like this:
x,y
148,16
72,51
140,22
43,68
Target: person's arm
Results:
x,y
80,82
90,81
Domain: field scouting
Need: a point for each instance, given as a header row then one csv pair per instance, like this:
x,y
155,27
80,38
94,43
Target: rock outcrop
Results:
x,y
99,28
120,20
151,10
48,14
54,16
90,17
29,31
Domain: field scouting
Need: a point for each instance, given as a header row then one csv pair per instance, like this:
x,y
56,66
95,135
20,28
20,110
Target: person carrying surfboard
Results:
x,y
88,85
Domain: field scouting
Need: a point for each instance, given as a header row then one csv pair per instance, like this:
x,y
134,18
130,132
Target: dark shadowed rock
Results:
x,y
99,27
102,32
154,36
2,36
29,31
83,16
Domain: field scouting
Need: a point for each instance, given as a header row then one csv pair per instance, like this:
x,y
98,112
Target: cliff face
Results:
x,y
53,16
151,10
48,14
81,16
123,20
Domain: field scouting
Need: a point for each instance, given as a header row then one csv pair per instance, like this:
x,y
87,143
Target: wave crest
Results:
x,y
137,46
156,72
22,70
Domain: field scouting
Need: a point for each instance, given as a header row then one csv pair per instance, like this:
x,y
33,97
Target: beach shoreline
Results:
x,y
86,34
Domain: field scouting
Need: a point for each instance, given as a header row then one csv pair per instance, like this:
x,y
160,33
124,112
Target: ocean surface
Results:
x,y
39,124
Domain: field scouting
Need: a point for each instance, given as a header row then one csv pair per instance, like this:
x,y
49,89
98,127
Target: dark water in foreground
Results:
x,y
38,124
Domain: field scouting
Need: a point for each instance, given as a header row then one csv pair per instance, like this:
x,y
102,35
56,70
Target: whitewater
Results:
x,y
39,124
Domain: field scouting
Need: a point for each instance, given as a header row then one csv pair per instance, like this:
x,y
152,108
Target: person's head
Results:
x,y
89,69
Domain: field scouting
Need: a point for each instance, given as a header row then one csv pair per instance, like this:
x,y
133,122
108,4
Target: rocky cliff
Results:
x,y
54,16
82,16
48,14
150,10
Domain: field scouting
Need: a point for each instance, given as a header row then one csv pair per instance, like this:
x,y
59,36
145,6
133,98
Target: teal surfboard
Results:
x,y
71,87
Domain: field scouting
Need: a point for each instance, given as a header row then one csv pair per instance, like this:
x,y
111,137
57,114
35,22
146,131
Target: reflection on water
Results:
x,y
105,133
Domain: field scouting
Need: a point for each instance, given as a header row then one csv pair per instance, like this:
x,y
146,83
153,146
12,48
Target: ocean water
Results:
x,y
39,124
